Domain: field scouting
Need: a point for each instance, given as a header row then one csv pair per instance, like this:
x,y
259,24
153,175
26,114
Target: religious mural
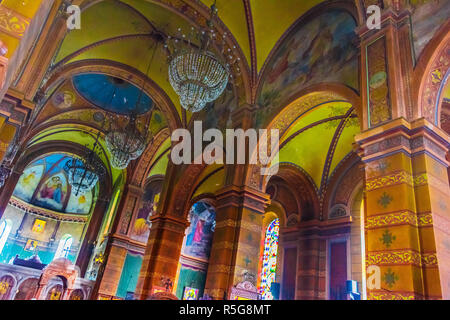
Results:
x,y
322,50
201,229
150,200
53,193
427,17
44,184
28,182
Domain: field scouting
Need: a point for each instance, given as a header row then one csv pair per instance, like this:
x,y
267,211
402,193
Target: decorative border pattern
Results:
x,y
401,257
389,296
13,23
400,218
389,180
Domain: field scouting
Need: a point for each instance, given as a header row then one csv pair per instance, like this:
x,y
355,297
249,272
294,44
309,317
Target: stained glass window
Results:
x,y
64,247
269,266
5,228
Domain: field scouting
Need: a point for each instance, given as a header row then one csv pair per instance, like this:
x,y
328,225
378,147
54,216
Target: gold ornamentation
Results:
x,y
420,179
392,219
13,23
401,257
389,180
389,296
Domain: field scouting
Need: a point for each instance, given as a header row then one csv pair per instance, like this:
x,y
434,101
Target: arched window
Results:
x,y
64,246
5,229
269,266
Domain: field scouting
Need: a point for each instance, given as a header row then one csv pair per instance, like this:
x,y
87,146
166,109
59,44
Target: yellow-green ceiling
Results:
x,y
309,149
271,19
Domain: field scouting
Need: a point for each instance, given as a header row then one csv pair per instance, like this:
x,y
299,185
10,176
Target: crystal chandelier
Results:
x,y
126,143
196,74
84,172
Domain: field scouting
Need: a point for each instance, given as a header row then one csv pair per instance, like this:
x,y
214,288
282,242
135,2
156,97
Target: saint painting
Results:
x,y
53,192
201,230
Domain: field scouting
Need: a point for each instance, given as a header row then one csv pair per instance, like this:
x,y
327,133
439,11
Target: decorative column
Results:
x,y
407,201
239,219
236,244
19,29
161,257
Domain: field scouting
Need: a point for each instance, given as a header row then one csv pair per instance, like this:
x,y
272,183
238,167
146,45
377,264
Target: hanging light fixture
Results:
x,y
196,74
126,142
84,172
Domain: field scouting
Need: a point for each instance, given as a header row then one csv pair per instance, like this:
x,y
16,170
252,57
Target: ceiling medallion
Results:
x,y
196,74
84,172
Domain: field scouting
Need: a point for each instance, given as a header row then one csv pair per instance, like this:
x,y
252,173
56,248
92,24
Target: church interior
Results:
x,y
352,204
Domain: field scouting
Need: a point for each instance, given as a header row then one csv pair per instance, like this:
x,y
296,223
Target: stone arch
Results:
x,y
430,75
26,289
291,176
295,106
120,70
10,290
141,167
61,268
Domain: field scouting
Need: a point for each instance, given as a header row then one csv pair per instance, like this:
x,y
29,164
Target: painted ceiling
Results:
x,y
112,94
256,27
308,141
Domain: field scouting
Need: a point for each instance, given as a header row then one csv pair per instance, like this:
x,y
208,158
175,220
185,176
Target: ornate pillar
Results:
x,y
237,237
407,201
386,66
239,219
161,257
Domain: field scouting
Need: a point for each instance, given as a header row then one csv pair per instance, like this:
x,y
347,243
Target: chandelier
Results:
x,y
197,75
126,143
84,172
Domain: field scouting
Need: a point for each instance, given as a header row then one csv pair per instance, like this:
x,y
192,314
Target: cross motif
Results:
x,y
385,200
387,238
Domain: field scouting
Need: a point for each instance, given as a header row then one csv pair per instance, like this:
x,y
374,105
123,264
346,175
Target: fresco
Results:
x,y
64,100
28,182
44,183
200,233
53,192
322,50
79,204
427,17
150,200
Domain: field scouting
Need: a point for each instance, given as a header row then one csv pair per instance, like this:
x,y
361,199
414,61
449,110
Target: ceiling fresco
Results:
x,y
112,94
308,140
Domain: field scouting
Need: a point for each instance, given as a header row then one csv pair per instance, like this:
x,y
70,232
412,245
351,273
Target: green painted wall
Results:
x,y
130,274
190,278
